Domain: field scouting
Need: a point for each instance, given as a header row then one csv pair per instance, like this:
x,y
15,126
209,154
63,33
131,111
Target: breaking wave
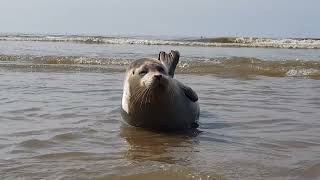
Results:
x,y
224,66
295,43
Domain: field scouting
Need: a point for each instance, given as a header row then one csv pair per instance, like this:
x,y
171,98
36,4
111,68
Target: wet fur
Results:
x,y
158,105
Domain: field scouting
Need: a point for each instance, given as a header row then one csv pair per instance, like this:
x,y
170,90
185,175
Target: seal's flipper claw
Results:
x,y
189,92
162,55
169,60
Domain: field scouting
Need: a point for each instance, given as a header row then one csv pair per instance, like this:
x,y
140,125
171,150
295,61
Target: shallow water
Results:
x,y
65,123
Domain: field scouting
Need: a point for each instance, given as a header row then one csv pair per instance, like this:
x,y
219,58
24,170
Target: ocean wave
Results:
x,y
241,66
295,43
66,60
224,66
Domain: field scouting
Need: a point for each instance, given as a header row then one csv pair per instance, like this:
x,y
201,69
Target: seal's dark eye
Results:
x,y
160,69
143,72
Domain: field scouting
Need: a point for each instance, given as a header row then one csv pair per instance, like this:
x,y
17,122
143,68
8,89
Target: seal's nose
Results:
x,y
158,76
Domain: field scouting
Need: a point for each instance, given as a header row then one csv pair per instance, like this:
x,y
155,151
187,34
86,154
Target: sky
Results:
x,y
261,18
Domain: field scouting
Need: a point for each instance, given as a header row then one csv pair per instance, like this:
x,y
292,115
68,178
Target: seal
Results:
x,y
153,99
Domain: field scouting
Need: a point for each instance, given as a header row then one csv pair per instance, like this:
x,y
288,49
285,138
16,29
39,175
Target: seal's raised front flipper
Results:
x,y
189,92
169,60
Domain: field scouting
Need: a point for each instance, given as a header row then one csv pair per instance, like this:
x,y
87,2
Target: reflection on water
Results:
x,y
167,154
152,146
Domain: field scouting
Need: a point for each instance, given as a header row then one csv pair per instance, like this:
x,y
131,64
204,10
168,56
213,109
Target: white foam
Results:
x,y
238,42
301,72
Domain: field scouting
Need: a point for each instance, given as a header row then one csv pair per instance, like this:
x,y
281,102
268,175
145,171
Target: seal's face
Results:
x,y
149,74
146,81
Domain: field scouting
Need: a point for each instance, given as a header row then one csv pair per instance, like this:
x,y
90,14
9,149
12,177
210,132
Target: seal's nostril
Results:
x,y
158,77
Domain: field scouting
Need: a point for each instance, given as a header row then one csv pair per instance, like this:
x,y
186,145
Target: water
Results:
x,y
60,114
292,43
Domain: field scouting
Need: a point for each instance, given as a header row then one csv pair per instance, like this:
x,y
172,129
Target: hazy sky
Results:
x,y
275,18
